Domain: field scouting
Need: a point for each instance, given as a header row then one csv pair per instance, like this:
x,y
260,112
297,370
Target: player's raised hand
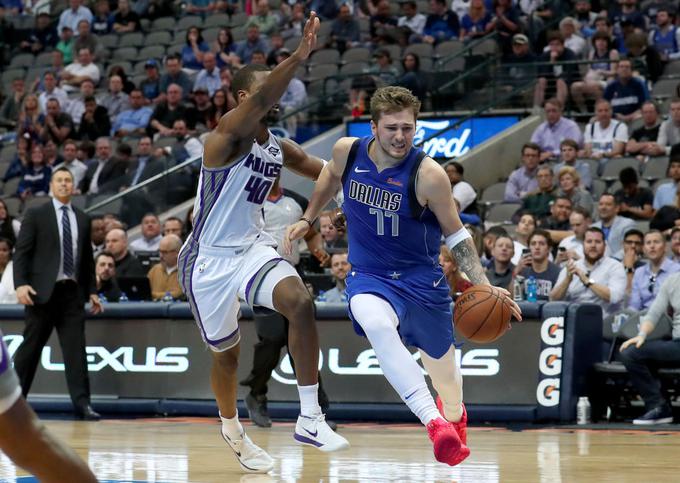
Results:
x,y
294,232
308,41
516,311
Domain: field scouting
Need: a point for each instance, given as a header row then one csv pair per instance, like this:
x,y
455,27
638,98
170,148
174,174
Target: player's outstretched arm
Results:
x,y
236,130
434,189
327,185
300,162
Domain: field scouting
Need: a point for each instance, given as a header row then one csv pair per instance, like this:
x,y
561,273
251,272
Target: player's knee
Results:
x,y
299,308
226,361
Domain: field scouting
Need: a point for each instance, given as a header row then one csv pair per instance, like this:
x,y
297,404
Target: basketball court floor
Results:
x,y
190,449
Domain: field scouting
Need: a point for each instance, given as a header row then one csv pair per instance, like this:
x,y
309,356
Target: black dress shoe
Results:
x,y
87,413
257,410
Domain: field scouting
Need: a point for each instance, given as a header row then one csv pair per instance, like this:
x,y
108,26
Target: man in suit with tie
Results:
x,y
106,173
54,277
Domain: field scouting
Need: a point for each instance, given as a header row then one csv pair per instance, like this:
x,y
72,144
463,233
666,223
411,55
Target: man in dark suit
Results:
x,y
54,277
105,173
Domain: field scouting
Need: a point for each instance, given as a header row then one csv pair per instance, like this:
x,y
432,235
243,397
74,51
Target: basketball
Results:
x,y
482,314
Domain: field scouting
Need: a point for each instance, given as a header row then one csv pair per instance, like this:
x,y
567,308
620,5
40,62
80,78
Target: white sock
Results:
x,y
309,400
420,402
232,427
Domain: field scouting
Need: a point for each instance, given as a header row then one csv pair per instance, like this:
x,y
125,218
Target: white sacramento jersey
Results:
x,y
228,208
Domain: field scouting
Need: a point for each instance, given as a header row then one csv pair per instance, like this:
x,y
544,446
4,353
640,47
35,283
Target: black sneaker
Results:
x,y
658,415
257,411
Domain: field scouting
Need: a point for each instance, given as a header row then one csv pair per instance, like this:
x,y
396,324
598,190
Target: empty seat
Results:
x,y
357,54
238,19
109,41
9,75
210,34
493,194
615,165
655,168
421,50
11,186
216,20
502,212
34,201
43,59
13,204
131,39
448,48
22,60
152,52
354,68
665,88
485,47
599,187
325,56
394,50
322,71
7,154
158,38
190,21
163,23
126,53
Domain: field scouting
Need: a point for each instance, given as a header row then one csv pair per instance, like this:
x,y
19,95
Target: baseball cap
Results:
x,y
520,39
283,51
201,89
151,63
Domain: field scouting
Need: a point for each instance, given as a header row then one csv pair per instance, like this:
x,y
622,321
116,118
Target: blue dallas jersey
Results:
x,y
387,229
394,248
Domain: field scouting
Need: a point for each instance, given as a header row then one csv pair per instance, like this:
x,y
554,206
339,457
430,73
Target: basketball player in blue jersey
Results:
x,y
397,202
228,255
26,441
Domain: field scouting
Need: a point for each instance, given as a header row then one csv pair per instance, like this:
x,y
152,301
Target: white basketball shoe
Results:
x,y
314,431
251,457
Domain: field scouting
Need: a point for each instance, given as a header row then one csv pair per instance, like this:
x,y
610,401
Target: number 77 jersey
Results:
x,y
387,229
228,207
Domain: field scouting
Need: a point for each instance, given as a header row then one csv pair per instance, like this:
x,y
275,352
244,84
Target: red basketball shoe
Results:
x,y
447,445
461,426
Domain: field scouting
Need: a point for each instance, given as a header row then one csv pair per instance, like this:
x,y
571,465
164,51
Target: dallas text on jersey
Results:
x,y
374,196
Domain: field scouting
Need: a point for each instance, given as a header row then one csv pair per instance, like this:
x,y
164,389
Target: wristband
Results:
x,y
455,238
302,218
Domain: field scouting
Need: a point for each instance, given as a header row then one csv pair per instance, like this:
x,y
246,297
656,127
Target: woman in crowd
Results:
x,y
569,182
599,73
7,293
476,22
9,226
21,159
412,79
223,47
128,85
219,107
36,180
525,227
457,282
31,120
192,52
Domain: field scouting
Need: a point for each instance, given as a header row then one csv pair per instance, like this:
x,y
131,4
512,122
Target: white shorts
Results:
x,y
10,391
214,278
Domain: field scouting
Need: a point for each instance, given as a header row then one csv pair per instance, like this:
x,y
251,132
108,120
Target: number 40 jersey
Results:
x,y
387,229
228,206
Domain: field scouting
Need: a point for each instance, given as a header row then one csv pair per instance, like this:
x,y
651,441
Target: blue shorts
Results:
x,y
420,297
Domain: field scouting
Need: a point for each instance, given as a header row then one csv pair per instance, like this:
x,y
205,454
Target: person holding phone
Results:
x,y
535,262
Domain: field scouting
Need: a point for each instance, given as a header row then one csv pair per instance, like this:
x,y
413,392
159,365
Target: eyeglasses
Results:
x,y
652,283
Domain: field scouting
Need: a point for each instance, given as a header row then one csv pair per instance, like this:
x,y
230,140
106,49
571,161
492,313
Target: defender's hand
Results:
x,y
294,232
308,41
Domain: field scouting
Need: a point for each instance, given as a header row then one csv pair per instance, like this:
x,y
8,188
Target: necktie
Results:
x,y
67,242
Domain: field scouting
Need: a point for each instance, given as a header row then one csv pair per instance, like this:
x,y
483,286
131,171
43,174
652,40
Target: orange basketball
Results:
x,y
481,314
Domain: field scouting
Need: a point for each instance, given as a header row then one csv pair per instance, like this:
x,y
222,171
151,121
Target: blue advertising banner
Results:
x,y
452,143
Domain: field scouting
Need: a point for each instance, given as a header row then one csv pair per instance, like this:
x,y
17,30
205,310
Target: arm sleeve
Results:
x,y
586,134
622,133
635,302
23,251
617,283
511,189
661,302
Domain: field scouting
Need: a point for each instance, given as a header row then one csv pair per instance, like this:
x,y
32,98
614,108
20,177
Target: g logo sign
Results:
x,y
552,331
548,392
550,362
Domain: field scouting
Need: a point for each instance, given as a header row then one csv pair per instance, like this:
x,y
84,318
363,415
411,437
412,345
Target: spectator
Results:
x,y
208,78
8,294
163,276
642,358
667,217
125,19
593,83
151,235
477,22
412,22
173,226
571,247
102,22
75,107
35,181
11,106
669,132
612,225
75,73
627,11
51,91
252,42
665,36
87,40
263,19
151,84
292,100
596,278
31,121
201,7
555,129
51,154
572,40
538,203
174,75
166,113
74,14
345,31
666,193
187,146
333,239
569,152
522,181
558,77
520,63
132,122
646,60
441,24
115,101
526,225
70,162
42,37
488,241
220,105
127,264
462,191
105,272
642,141
95,122
58,125
499,271
224,48
294,25
454,277
649,277
145,166
558,220
259,57
105,174
9,226
21,160
194,50
675,244
412,78
506,22
382,68
605,137
626,93
382,26
635,201
585,17
569,183
536,264
340,267
65,44
632,254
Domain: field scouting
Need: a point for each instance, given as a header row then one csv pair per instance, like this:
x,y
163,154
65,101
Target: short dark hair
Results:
x,y
675,230
634,231
532,146
581,211
9,242
89,99
104,254
654,231
595,229
458,166
64,169
556,35
616,202
563,197
496,230
124,149
628,176
244,78
569,142
173,218
540,232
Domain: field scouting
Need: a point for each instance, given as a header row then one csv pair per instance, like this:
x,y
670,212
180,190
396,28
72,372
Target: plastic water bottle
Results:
x,y
583,411
102,298
343,297
322,296
123,298
168,297
532,289
517,290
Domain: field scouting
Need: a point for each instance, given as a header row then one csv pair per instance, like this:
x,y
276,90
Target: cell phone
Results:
x,y
561,249
526,251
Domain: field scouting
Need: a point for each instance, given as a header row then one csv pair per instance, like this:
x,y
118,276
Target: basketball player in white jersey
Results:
x,y
228,256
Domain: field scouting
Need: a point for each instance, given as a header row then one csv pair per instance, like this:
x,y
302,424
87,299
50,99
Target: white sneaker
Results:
x,y
251,457
314,431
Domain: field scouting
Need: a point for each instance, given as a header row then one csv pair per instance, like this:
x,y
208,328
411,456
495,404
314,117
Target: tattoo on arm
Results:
x,y
466,255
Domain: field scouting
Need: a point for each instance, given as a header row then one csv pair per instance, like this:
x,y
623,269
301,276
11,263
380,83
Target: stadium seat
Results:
x,y
35,72
643,183
357,54
615,165
395,52
239,33
485,47
189,21
655,168
43,59
421,50
493,194
125,64
448,48
321,71
325,56
7,154
238,19
13,203
22,60
216,20
501,212
354,68
126,53
34,201
10,186
599,187
426,64
132,39
672,68
174,49
109,41
152,52
163,23
659,182
665,88
9,75
158,38
292,43
210,34
594,166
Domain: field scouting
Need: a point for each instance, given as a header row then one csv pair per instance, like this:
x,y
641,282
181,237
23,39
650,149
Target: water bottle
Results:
x,y
532,289
517,291
322,296
102,298
343,297
583,411
168,297
123,298
618,321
